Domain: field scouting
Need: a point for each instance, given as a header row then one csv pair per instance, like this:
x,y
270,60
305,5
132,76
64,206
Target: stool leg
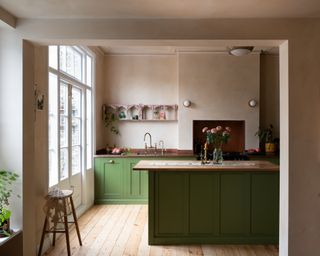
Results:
x,y
54,235
75,220
43,234
66,225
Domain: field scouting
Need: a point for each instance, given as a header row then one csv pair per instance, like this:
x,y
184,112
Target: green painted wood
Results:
x,y
108,178
235,203
119,184
188,207
136,182
204,217
170,203
264,205
112,178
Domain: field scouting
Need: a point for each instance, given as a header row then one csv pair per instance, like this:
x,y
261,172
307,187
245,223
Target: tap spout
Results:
x,y
150,138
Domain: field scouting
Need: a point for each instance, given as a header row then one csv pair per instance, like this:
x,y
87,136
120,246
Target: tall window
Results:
x,y
70,114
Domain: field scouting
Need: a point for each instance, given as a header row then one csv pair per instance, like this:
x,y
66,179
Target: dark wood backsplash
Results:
x,y
236,142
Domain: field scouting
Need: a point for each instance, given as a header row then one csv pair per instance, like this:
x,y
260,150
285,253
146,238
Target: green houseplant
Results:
x,y
266,139
7,178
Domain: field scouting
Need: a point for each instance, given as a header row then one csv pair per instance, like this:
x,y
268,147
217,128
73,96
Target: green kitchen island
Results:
x,y
236,202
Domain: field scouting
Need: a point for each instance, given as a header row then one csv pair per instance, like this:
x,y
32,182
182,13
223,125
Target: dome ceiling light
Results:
x,y
240,50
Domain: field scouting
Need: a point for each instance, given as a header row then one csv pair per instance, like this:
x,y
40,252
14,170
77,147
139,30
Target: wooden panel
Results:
x,y
204,203
235,203
170,205
112,178
236,142
136,183
265,207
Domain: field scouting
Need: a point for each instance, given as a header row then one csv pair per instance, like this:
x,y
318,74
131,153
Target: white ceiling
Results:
x,y
162,8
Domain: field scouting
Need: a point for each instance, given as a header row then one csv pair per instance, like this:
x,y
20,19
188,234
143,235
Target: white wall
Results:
x,y
146,79
219,86
269,92
11,114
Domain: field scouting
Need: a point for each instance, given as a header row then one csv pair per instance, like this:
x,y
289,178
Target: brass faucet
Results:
x,y
146,147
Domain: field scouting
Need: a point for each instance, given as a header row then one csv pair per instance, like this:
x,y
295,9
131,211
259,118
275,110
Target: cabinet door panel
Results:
x,y
136,182
265,207
204,203
235,203
112,178
170,203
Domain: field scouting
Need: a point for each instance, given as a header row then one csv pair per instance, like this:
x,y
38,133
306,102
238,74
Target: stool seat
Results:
x,y
59,194
58,200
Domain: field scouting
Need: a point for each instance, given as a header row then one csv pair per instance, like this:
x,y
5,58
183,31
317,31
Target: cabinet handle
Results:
x,y
111,161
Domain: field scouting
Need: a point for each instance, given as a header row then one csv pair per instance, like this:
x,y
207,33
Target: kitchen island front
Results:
x,y
236,202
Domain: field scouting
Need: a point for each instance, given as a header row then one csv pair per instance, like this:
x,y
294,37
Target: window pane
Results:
x,y
63,99
76,159
89,130
70,61
76,102
63,58
63,131
53,168
53,56
63,163
76,131
89,70
53,129
77,65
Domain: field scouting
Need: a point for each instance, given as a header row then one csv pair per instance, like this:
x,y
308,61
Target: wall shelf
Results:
x,y
142,112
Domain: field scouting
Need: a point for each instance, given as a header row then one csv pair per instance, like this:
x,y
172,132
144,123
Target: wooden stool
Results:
x,y
58,200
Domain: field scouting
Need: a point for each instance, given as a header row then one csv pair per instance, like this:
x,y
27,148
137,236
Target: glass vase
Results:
x,y
217,156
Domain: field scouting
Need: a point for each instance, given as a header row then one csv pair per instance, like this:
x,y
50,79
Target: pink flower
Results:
x,y
219,128
213,130
228,129
204,129
225,133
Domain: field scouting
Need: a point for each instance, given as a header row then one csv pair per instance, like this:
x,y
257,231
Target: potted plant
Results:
x,y
266,139
6,180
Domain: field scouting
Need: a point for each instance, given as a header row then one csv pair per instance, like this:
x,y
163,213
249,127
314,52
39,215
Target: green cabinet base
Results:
x,y
194,207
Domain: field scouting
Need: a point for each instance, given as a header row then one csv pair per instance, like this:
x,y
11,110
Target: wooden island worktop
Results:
x,y
236,202
182,165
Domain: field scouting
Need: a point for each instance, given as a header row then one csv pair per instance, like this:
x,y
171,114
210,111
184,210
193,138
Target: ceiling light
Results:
x,y
240,50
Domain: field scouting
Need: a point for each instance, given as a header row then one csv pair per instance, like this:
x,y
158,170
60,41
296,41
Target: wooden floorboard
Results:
x,y
122,230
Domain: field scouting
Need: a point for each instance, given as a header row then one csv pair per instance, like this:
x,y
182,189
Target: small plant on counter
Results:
x,y
267,142
7,178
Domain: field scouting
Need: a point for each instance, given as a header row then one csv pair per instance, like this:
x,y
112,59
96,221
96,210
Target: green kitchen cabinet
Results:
x,y
135,183
117,183
235,203
108,179
264,204
224,207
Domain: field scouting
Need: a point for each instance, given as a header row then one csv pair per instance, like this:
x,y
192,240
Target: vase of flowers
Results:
x,y
217,136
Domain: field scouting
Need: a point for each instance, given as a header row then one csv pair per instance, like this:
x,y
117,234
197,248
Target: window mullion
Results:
x,y
58,130
70,132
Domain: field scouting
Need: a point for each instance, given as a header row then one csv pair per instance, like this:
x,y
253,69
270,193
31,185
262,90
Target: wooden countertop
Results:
x,y
133,155
181,165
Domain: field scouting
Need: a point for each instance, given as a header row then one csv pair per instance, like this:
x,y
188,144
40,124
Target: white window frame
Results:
x,y
74,82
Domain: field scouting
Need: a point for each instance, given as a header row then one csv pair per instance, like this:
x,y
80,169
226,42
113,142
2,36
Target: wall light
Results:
x,y
252,103
240,50
187,103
